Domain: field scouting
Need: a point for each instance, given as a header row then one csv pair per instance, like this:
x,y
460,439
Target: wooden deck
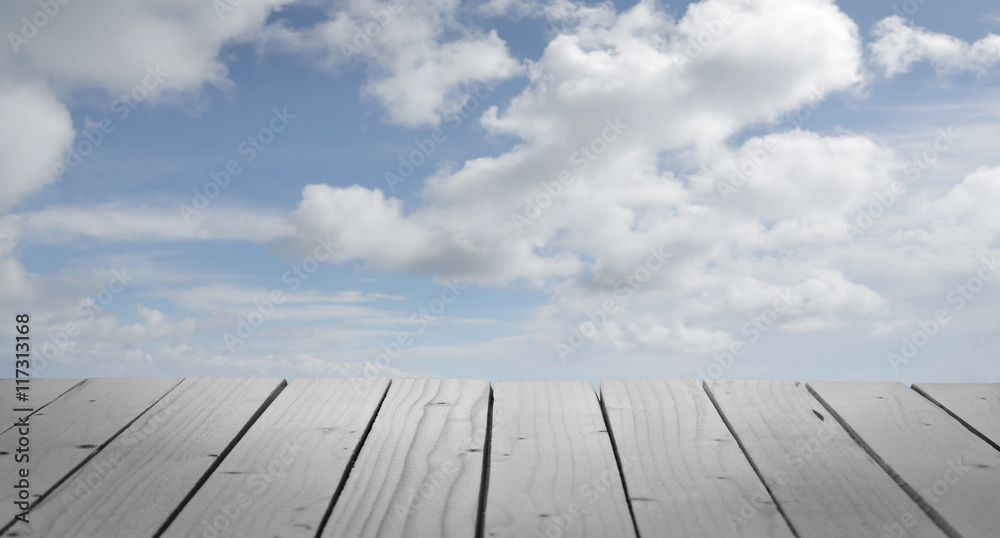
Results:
x,y
256,457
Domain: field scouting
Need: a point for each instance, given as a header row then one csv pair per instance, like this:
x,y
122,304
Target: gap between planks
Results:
x,y
350,464
484,491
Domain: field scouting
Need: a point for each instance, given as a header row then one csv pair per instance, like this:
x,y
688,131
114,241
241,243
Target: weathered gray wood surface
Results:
x,y
421,468
685,472
951,469
40,394
253,458
133,486
74,428
825,483
281,476
552,468
977,405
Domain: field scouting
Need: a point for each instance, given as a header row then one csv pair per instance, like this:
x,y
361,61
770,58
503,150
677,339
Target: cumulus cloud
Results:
x,y
899,45
608,97
422,62
38,130
367,226
184,37
159,49
16,284
973,202
723,65
611,96
628,125
789,174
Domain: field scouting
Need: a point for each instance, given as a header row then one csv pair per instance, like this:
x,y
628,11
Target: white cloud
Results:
x,y
796,173
974,201
420,83
770,57
133,51
678,338
17,286
663,105
638,81
365,225
422,62
305,305
899,45
38,130
137,223
184,37
79,327
10,233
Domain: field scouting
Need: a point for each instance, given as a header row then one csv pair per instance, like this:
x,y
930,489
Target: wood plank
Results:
x,y
823,481
939,461
280,478
686,475
976,405
41,393
421,468
552,468
73,428
133,486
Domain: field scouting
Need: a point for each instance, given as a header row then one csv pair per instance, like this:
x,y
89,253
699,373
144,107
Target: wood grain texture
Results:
x,y
41,393
686,475
823,481
976,405
552,468
952,470
280,478
73,428
136,483
420,470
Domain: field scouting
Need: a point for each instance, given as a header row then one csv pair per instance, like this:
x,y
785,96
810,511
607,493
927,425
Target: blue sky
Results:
x,y
777,188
